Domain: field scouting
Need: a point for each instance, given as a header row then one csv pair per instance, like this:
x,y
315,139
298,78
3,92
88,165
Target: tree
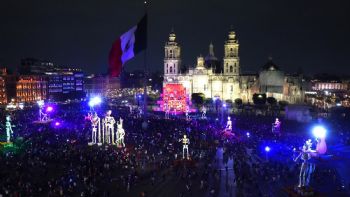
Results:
x,y
271,101
259,99
282,104
198,99
238,101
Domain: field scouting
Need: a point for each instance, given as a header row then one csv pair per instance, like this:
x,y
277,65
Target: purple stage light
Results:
x,y
49,109
57,123
248,134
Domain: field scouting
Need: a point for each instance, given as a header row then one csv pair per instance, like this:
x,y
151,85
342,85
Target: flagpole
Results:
x,y
145,73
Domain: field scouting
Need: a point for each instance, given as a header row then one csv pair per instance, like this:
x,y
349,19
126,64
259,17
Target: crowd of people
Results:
x,y
57,161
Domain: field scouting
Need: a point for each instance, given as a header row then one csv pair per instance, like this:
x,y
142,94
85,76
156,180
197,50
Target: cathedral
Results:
x,y
224,80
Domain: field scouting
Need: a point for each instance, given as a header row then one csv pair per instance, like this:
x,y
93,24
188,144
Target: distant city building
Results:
x,y
3,96
31,88
65,85
101,85
32,66
329,85
225,80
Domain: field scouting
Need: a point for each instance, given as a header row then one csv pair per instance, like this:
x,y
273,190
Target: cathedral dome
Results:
x,y
271,78
270,65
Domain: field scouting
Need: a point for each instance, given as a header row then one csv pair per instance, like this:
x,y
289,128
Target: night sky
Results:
x,y
310,34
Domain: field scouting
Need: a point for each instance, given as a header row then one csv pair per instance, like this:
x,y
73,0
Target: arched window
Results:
x,y
171,69
231,69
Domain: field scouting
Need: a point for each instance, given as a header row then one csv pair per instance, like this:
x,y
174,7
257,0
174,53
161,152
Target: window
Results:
x,y
231,69
171,69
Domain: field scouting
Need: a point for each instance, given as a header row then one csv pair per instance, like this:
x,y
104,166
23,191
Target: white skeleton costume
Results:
x,y
204,112
276,126
187,113
229,124
120,133
108,128
185,142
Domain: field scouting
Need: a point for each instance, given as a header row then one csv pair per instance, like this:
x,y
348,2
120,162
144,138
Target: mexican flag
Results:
x,y
127,46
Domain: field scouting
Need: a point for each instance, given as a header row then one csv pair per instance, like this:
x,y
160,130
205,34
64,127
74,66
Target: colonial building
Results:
x,y
31,88
206,77
224,80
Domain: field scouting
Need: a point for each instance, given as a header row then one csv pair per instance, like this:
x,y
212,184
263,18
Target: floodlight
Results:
x,y
95,101
319,132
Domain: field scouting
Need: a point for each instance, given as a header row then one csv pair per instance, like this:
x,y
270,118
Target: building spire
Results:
x,y
211,49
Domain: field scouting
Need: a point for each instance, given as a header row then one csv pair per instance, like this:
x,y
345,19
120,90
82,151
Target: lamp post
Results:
x,y
267,150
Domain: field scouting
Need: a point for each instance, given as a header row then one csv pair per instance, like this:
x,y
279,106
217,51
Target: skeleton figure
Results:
x,y
9,131
187,113
120,133
229,124
185,142
96,128
167,112
204,112
307,168
108,127
42,116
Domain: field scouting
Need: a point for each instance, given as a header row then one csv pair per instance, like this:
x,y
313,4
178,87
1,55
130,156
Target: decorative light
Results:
x,y
267,149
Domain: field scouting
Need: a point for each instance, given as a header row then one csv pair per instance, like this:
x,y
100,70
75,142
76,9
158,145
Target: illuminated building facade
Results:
x,y
329,86
65,85
203,79
31,88
224,80
3,97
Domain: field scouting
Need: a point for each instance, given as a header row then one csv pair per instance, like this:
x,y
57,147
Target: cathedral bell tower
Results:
x,y
172,56
231,58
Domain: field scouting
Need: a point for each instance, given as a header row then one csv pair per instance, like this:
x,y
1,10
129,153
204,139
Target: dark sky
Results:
x,y
311,34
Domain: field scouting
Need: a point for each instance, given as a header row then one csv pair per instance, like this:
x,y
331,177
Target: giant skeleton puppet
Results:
x,y
306,155
185,142
96,129
9,131
108,128
120,133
